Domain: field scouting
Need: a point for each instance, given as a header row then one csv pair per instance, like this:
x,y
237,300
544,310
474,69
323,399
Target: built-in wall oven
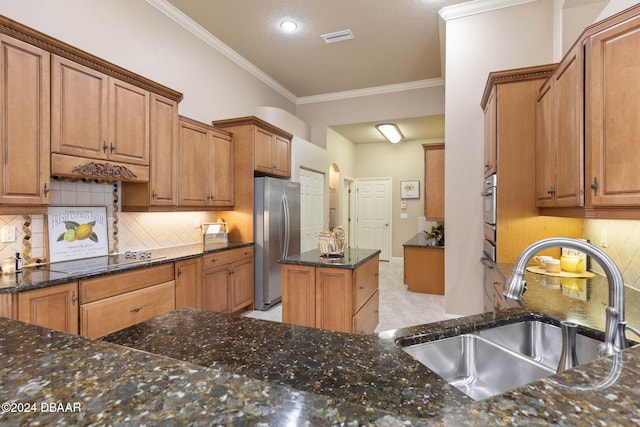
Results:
x,y
489,255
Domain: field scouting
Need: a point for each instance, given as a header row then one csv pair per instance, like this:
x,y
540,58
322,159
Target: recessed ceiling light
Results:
x,y
288,26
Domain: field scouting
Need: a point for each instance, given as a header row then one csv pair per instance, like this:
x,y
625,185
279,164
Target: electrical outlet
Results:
x,y
8,234
604,240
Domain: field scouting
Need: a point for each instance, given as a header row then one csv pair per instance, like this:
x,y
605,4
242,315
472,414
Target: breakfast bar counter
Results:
x,y
202,368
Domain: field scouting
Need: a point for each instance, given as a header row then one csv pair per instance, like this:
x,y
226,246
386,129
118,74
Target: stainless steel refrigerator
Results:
x,y
276,230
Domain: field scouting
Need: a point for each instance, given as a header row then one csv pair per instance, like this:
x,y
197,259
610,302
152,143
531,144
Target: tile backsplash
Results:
x,y
127,231
622,245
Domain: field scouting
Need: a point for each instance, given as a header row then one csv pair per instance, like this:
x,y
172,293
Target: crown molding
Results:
x,y
197,30
377,90
478,6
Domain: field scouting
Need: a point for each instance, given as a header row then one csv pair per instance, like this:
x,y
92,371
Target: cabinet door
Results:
x,y
263,150
334,306
215,289
24,123
193,165
222,170
241,292
79,112
490,135
128,123
568,135
613,112
54,307
299,295
163,135
434,182
545,157
281,156
189,283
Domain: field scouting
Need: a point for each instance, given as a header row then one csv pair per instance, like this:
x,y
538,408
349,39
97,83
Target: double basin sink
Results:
x,y
491,361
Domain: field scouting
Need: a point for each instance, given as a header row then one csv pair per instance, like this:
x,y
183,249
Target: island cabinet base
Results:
x,y
424,269
338,299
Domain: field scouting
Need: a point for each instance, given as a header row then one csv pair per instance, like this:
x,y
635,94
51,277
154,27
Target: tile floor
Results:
x,y
398,307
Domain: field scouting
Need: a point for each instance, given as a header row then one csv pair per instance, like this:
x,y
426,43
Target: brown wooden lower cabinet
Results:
x,y
339,299
227,281
424,269
54,307
113,302
188,276
111,314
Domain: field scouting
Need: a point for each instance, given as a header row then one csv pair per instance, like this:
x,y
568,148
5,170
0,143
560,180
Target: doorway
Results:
x,y
311,208
373,221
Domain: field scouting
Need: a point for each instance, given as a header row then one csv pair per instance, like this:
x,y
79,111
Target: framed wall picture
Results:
x,y
410,189
77,232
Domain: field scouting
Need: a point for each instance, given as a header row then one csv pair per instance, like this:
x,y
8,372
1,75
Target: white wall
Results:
x,y
513,37
136,36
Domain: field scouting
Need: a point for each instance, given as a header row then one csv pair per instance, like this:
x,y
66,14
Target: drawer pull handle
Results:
x,y
74,298
135,310
214,260
361,287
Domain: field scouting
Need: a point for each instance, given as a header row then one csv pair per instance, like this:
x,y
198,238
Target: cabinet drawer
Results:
x,y
112,314
366,320
226,257
115,284
365,282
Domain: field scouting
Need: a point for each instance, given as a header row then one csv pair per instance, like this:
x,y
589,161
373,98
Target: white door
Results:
x,y
311,208
374,215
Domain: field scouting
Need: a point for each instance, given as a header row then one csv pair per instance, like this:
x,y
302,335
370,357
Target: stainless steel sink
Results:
x,y
495,360
477,367
540,341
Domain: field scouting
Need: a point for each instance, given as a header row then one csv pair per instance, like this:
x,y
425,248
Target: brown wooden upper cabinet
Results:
x,y
434,182
205,165
98,116
161,191
24,123
271,145
559,142
490,135
587,158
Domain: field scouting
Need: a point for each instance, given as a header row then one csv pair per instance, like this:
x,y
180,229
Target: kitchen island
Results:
x,y
338,293
202,368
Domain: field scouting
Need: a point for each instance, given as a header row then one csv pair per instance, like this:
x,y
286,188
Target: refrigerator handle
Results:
x,y
285,205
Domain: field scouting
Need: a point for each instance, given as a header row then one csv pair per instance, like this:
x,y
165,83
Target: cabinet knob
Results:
x,y
153,194
179,272
361,287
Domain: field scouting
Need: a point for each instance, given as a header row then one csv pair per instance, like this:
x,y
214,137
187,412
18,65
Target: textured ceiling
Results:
x,y
396,42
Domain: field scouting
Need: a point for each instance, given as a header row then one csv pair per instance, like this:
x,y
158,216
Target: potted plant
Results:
x,y
436,234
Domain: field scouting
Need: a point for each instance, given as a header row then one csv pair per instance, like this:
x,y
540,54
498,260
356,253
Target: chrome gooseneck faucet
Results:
x,y
615,325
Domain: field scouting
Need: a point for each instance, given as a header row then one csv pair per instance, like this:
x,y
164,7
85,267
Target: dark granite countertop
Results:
x,y
351,259
68,271
202,368
420,241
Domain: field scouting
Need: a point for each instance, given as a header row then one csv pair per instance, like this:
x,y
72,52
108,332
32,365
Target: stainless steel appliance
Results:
x,y
489,256
276,229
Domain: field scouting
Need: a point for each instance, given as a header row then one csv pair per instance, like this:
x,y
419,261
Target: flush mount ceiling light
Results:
x,y
390,131
288,26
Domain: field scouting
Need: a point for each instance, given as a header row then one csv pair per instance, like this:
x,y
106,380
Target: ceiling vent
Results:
x,y
338,36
